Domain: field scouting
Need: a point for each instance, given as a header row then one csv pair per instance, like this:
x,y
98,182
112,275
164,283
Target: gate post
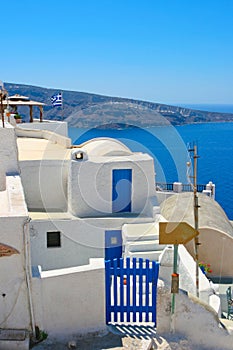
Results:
x,y
108,290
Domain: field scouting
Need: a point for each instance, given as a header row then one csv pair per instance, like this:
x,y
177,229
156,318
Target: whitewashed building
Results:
x,y
79,198
64,210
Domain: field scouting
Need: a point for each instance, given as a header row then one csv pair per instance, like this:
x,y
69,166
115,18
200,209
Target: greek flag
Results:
x,y
57,100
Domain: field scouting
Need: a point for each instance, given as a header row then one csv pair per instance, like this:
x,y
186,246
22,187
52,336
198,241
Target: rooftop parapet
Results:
x,y
12,199
8,149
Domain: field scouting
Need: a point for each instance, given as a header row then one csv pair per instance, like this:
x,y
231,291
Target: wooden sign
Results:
x,y
176,233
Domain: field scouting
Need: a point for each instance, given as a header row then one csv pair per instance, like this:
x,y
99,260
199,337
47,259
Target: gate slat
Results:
x,y
154,289
140,282
134,288
121,290
147,281
128,284
115,288
108,291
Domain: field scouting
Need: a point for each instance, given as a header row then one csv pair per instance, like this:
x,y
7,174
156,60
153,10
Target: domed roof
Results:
x,y
179,207
105,147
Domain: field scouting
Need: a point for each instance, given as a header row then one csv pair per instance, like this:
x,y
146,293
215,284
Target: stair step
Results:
x,y
140,232
143,246
151,255
11,339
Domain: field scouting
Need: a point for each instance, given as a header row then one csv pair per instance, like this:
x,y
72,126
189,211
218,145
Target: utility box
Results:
x,y
175,283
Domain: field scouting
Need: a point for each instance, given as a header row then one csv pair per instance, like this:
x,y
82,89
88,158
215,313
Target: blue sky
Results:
x,y
168,51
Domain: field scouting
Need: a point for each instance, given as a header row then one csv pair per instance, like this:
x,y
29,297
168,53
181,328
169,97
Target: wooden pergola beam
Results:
x,y
41,113
31,113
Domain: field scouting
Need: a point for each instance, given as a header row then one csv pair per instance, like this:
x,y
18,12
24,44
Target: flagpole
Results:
x,y
62,106
2,113
1,103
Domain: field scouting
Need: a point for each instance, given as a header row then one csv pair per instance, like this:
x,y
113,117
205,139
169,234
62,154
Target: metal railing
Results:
x,y
168,187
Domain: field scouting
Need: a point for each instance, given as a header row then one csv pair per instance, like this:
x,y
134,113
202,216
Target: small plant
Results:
x,y
17,116
205,268
40,335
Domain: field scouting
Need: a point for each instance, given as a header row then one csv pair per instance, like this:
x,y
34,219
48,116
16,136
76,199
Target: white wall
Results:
x,y
90,184
186,270
221,246
45,184
8,150
81,239
54,126
70,301
14,307
79,242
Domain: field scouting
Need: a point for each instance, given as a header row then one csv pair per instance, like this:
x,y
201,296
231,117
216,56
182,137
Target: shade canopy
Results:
x,y
20,100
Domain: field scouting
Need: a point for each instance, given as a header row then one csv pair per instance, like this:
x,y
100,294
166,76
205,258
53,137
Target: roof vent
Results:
x,y
79,155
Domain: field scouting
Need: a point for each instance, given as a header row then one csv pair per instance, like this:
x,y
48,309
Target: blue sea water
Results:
x,y
226,108
168,145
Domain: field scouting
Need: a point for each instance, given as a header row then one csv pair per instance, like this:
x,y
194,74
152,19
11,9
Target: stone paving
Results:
x,y
124,337
117,338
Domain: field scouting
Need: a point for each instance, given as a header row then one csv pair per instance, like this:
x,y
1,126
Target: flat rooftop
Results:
x,y
42,215
30,148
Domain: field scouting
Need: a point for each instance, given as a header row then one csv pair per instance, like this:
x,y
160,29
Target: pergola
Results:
x,y
19,100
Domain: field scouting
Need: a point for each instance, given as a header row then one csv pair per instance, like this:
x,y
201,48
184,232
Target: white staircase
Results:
x,y
11,339
142,241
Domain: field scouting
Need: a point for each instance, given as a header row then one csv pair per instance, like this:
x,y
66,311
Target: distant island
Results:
x,y
86,110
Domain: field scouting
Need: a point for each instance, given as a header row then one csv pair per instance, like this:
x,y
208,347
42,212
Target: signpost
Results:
x,y
175,233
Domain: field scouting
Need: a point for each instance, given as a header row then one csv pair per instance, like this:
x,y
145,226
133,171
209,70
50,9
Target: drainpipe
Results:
x,y
28,275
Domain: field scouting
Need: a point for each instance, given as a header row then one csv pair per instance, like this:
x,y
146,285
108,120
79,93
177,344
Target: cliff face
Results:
x,y
90,110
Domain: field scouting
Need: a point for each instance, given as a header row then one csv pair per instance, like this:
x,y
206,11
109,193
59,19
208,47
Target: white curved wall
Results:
x,y
215,249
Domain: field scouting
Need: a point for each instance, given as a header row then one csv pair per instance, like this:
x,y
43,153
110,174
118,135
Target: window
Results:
x,y
53,239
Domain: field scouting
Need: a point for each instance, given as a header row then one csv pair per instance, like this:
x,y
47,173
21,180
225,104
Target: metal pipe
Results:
x,y
28,275
196,206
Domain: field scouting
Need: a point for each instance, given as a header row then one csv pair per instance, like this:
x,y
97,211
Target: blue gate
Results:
x,y
131,290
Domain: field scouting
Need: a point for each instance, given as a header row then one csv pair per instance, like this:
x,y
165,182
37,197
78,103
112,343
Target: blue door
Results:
x,y
113,244
121,190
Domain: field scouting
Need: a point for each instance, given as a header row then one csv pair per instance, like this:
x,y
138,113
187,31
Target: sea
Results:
x,y
171,147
